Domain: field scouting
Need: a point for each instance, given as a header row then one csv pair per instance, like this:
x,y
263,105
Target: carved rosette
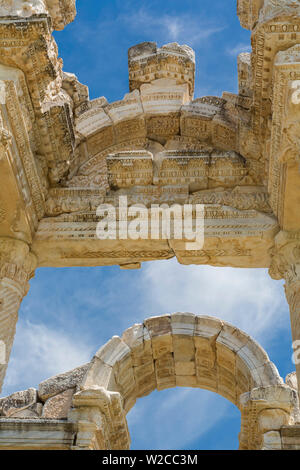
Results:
x,y
17,266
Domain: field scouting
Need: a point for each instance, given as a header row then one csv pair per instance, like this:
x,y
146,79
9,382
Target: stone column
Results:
x,y
292,290
100,420
17,266
264,411
286,265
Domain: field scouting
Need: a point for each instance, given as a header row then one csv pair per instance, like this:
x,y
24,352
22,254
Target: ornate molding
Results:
x,y
17,263
62,12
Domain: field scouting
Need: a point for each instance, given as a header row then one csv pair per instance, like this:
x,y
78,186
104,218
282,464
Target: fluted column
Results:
x,y
286,265
17,266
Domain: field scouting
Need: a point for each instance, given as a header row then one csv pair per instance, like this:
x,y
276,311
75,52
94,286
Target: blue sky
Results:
x,y
69,313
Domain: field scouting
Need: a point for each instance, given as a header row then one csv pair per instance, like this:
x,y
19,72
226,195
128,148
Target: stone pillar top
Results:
x,y
17,263
62,12
252,11
148,63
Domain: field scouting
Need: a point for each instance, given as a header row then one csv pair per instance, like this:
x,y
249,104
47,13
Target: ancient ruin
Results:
x,y
62,155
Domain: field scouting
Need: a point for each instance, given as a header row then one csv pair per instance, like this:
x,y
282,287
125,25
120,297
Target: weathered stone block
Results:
x,y
58,407
62,382
18,401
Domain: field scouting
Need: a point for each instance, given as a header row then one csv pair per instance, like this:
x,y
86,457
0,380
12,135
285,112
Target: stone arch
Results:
x,y
182,350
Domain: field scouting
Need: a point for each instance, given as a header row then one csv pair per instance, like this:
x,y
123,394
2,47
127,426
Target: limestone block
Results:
x,y
205,354
232,337
92,120
243,377
163,96
271,441
224,135
207,378
268,374
275,396
290,437
135,335
165,371
134,128
36,434
186,381
124,376
272,420
147,63
158,326
183,323
22,9
143,353
62,382
100,374
97,142
113,351
163,126
248,12
18,401
252,354
291,380
62,12
206,107
226,358
184,355
138,340
128,108
33,412
162,345
184,348
227,384
195,125
185,368
207,327
244,74
273,8
145,379
58,407
179,168
129,403
126,169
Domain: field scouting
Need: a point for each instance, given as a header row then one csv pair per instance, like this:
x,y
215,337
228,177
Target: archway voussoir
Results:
x,y
158,326
183,323
207,326
113,351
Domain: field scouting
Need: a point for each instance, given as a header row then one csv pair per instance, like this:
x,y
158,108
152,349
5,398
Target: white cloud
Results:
x,y
248,298
236,50
185,28
176,418
40,352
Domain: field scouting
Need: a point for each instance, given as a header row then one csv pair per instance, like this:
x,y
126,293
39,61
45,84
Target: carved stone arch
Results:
x,y
188,351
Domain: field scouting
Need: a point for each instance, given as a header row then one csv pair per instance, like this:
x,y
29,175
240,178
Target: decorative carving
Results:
x,y
17,266
61,11
148,63
272,8
63,154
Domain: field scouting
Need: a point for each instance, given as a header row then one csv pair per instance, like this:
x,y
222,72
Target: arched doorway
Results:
x,y
183,418
182,350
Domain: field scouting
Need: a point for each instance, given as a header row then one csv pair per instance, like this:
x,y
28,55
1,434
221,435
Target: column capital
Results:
x,y
17,263
286,258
